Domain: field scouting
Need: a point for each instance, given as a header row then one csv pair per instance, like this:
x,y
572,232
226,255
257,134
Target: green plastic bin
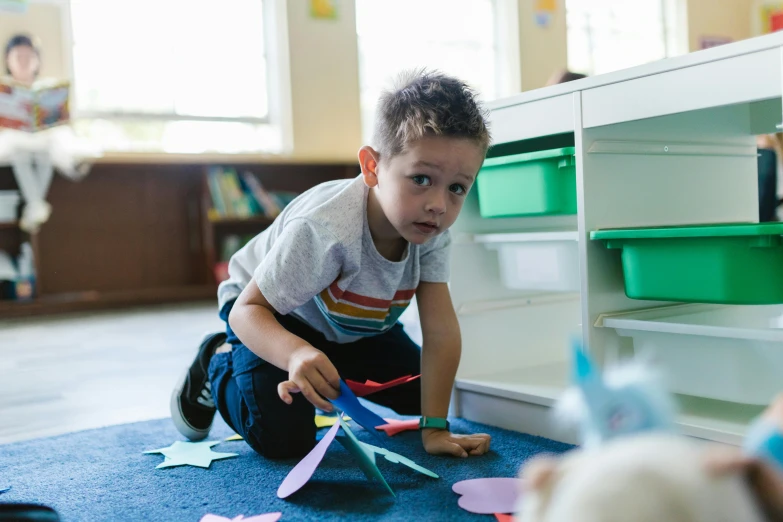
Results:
x,y
727,264
530,184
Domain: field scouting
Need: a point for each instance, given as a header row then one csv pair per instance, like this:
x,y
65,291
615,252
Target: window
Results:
x,y
172,75
608,35
456,37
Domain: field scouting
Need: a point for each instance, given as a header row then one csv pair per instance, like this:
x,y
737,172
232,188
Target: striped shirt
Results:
x,y
318,262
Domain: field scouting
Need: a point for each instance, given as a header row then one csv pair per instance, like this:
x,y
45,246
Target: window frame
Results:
x,y
272,72
507,77
673,36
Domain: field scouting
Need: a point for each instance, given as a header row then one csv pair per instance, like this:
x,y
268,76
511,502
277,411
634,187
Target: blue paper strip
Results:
x,y
348,403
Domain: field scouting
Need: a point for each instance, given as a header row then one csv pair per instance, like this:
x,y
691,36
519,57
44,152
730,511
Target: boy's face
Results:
x,y
422,189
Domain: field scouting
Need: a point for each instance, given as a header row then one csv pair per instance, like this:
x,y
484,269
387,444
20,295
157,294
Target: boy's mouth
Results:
x,y
426,227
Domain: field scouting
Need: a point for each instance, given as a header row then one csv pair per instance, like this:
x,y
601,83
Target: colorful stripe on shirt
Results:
x,y
355,314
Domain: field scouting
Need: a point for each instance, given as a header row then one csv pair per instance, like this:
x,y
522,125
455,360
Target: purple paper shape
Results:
x,y
487,496
267,517
302,472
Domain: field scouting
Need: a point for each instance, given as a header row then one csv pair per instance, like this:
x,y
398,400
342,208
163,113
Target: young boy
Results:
x,y
316,296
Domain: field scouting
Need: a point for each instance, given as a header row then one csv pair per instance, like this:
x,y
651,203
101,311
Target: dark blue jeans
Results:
x,y
244,386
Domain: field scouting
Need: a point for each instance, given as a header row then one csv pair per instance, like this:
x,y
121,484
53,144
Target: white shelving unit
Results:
x,y
667,143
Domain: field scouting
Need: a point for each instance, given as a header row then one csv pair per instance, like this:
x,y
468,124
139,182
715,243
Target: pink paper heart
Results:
x,y
487,496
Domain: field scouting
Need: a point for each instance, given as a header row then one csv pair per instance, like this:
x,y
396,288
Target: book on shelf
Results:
x,y
270,207
241,196
231,244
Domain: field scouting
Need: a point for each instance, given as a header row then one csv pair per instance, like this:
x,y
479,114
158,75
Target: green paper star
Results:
x,y
190,454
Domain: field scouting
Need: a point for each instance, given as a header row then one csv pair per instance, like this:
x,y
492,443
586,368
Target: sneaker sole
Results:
x,y
179,418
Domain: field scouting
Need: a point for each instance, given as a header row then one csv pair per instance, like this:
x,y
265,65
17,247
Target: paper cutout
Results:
x,y
348,403
268,517
639,403
368,387
235,436
364,454
190,453
396,458
324,421
504,518
302,472
365,457
487,496
3,490
395,426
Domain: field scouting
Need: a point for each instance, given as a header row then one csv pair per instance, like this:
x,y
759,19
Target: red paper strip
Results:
x,y
368,387
504,518
398,426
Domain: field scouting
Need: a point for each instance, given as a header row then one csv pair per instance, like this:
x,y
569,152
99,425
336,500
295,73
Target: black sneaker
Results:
x,y
192,407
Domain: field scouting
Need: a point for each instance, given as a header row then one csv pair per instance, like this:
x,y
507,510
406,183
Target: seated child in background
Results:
x,y
316,297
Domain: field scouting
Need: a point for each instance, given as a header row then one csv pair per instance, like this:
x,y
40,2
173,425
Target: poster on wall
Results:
x,y
323,9
544,11
771,17
706,42
15,6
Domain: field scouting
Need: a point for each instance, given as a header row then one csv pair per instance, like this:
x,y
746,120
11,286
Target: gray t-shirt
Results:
x,y
318,262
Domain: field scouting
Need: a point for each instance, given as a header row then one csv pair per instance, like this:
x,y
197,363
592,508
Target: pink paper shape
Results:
x,y
366,388
268,517
487,496
396,426
504,518
302,472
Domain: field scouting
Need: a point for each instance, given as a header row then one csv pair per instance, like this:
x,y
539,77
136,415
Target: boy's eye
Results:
x,y
458,189
421,179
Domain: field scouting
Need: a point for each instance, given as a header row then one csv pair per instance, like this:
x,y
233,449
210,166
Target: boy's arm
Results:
x,y
441,350
252,319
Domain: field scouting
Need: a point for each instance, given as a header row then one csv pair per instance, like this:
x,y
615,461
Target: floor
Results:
x,y
71,373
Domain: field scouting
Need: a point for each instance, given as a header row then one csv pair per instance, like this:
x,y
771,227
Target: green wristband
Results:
x,y
435,423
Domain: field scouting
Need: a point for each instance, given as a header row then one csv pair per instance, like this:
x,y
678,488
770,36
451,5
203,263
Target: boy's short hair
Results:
x,y
428,103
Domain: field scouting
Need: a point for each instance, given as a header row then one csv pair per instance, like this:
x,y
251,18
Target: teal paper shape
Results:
x,y
197,454
365,457
399,459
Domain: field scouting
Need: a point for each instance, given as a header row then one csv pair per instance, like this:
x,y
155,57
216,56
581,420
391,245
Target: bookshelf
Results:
x,y
236,206
137,233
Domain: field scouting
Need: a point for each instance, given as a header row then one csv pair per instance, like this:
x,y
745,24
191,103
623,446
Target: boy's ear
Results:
x,y
368,161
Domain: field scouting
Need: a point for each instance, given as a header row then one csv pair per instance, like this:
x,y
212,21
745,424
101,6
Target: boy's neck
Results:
x,y
388,242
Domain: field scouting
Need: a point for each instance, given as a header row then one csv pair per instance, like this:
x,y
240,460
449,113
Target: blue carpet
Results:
x,y
102,475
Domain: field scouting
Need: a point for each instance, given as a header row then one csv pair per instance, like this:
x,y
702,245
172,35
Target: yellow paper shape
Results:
x,y
235,437
322,421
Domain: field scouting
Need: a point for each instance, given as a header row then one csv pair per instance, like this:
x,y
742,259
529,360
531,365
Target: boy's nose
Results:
x,y
437,204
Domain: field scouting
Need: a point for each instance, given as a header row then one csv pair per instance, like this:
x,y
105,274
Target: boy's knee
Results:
x,y
275,447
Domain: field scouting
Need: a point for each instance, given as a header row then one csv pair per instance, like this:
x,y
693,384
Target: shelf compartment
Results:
x,y
540,261
541,384
725,264
727,353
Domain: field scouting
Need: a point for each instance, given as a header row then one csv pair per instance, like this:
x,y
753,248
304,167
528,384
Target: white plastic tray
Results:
x,y
544,261
729,353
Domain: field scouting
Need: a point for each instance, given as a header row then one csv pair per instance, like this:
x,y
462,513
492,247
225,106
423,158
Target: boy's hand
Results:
x,y
442,442
312,374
